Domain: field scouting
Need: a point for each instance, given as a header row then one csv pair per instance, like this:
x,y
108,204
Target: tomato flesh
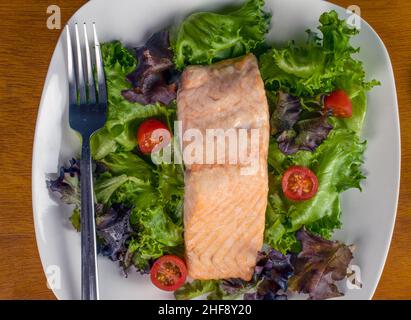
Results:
x,y
168,273
339,103
299,183
152,135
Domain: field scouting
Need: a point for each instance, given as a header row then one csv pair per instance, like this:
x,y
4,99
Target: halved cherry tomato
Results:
x,y
339,103
151,134
168,273
299,183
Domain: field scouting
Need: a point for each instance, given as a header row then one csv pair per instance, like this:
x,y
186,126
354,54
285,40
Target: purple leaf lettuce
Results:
x,y
67,184
286,113
114,228
154,79
306,135
319,265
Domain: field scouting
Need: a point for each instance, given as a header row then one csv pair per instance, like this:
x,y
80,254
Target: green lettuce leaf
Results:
x,y
269,281
170,181
156,232
337,164
102,144
123,118
204,37
155,194
136,193
129,164
75,219
355,123
171,190
319,67
196,288
118,62
309,71
107,185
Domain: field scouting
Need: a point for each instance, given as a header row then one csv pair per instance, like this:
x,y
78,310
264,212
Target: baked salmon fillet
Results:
x,y
224,207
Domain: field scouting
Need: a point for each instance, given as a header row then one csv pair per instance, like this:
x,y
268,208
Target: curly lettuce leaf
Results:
x,y
356,121
136,193
123,116
118,62
338,168
320,65
155,195
205,37
196,288
319,265
127,190
297,129
231,289
156,232
286,113
170,181
337,164
102,144
307,134
106,185
113,227
67,184
269,281
297,70
309,72
271,274
171,190
129,164
160,223
154,79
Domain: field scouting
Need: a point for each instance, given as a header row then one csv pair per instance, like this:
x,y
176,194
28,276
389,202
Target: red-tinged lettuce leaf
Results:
x,y
154,57
319,265
230,289
269,281
286,113
293,130
271,274
158,92
154,79
114,228
67,184
307,135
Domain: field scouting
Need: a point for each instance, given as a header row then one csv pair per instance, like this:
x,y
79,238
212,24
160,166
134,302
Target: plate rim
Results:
x,y
398,133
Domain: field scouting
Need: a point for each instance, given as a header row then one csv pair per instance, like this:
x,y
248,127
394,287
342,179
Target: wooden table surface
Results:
x,y
26,46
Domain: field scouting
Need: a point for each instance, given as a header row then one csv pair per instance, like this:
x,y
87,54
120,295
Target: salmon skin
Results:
x,y
224,209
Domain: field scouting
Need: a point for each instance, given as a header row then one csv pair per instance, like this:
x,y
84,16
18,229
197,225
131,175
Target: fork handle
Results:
x,y
89,279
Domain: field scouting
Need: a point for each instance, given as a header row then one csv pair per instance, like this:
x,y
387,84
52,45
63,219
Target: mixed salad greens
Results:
x,y
317,97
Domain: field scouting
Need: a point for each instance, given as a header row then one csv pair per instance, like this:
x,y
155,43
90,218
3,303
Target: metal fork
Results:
x,y
87,114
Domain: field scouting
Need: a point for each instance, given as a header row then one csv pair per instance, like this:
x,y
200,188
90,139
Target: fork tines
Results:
x,y
83,87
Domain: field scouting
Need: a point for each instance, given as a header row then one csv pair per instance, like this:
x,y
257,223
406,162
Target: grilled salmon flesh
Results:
x,y
224,204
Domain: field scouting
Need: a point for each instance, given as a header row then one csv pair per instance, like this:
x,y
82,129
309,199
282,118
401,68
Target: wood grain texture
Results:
x,y
26,46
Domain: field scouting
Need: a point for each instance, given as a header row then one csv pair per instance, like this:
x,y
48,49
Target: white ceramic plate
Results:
x,y
368,217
